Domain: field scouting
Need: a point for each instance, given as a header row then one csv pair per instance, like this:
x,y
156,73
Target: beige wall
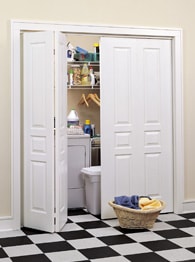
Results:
x,y
151,13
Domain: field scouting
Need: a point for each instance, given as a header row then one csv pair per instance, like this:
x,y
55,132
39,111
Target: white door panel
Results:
x,y
45,162
136,115
61,186
38,131
117,98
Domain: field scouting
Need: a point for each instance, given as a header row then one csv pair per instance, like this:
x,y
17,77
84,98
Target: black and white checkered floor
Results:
x,y
88,238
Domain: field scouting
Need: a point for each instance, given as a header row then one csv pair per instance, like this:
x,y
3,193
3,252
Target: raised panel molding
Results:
x,y
38,190
38,145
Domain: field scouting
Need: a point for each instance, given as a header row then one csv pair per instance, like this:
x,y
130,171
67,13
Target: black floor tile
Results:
x,y
2,253
55,247
172,233
15,241
116,240
181,223
76,212
159,245
75,234
99,252
30,231
146,257
192,249
188,215
130,230
92,224
32,258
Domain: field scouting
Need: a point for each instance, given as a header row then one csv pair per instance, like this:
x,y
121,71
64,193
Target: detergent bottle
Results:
x,y
72,119
87,127
85,75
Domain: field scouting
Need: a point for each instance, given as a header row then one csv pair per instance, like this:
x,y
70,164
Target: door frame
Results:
x,y
18,26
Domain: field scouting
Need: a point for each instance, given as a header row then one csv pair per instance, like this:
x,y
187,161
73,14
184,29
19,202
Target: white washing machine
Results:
x,y
79,156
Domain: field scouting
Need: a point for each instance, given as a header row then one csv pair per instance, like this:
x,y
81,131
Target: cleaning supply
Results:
x,y
96,51
70,52
96,48
92,130
73,119
70,77
92,77
81,50
85,75
87,127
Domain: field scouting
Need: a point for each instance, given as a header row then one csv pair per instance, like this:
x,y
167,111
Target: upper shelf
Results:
x,y
83,86
92,63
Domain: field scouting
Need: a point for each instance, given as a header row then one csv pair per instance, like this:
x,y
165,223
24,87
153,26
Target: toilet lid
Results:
x,y
92,170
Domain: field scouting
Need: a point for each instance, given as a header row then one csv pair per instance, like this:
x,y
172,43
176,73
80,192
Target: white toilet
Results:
x,y
92,178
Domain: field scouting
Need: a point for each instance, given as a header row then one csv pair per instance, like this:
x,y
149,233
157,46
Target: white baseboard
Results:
x,y
189,206
7,224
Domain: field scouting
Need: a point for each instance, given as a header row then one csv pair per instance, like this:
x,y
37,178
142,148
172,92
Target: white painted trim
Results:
x,y
6,224
189,206
176,36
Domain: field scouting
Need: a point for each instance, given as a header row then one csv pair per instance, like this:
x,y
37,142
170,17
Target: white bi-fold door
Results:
x,y
136,124
44,145
136,120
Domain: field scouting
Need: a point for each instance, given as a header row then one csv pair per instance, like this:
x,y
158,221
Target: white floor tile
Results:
x,y
5,259
112,222
86,243
14,233
45,238
71,227
110,259
184,241
83,218
170,217
106,231
144,236
175,255
189,230
129,249
68,256
161,226
22,250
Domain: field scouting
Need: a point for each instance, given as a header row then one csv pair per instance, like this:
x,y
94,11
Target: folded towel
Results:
x,y
146,204
128,201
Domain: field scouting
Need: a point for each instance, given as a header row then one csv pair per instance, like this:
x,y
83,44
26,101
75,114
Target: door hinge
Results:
x,y
54,216
54,51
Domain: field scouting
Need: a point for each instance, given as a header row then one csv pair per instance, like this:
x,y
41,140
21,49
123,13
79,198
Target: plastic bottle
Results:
x,y
96,51
92,130
70,52
73,119
85,75
92,77
87,127
96,48
71,77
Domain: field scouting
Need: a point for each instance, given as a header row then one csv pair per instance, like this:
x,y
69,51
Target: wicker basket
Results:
x,y
136,218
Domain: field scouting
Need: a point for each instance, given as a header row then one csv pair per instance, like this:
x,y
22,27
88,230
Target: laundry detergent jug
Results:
x,y
72,119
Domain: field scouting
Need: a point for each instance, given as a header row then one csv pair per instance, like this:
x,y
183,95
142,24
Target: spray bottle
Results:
x,y
92,77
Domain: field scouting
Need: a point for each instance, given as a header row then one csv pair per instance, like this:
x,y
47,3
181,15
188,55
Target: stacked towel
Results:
x,y
128,201
146,203
137,202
